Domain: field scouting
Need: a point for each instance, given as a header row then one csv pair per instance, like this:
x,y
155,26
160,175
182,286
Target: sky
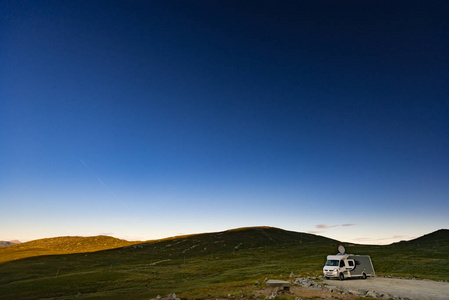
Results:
x,y
150,119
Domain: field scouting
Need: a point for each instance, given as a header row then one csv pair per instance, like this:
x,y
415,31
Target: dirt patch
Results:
x,y
399,288
305,293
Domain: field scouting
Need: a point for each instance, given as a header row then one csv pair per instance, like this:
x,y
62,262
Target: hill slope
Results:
x,y
234,240
439,237
60,245
226,241
204,266
191,265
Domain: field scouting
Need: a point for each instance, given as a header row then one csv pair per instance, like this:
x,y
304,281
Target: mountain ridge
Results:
x,y
196,265
440,236
228,240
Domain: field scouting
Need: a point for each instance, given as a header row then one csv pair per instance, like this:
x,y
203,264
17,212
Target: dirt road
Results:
x,y
404,288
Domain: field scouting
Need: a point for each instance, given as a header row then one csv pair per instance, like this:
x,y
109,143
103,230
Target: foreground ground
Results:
x,y
372,288
403,288
223,265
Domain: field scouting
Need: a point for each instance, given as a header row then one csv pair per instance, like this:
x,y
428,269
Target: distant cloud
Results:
x,y
314,232
383,240
404,237
324,226
107,233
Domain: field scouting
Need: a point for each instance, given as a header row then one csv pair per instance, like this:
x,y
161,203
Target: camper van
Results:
x,y
344,265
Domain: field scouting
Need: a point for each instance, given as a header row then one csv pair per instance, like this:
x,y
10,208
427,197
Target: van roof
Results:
x,y
337,257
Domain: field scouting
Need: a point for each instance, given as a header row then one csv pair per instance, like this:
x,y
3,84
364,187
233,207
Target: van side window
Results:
x,y
351,263
342,264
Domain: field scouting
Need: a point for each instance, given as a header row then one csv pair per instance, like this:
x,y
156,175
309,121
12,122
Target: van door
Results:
x,y
342,266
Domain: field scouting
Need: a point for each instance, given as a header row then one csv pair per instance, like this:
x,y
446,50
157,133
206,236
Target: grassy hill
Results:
x,y
60,245
210,265
216,242
437,238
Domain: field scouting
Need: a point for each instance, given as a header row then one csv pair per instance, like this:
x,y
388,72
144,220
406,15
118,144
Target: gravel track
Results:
x,y
404,288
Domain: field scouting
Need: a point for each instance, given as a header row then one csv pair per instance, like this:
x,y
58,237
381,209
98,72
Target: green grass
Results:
x,y
201,266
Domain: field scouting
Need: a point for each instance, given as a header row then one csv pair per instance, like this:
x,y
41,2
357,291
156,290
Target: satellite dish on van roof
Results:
x,y
341,249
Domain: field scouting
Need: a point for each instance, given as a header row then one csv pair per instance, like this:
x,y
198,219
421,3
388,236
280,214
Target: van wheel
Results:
x,y
363,276
341,276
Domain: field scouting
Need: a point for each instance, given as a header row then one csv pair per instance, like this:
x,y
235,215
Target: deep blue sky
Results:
x,y
148,119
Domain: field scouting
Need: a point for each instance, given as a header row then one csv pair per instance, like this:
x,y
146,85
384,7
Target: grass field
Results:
x,y
205,266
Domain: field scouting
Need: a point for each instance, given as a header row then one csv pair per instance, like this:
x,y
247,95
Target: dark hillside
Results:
x,y
439,237
231,241
257,236
194,265
264,235
203,266
190,245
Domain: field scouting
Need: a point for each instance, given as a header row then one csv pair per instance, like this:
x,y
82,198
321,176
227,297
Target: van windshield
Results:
x,y
332,263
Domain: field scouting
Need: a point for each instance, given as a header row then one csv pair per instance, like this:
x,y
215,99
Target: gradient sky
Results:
x,y
149,119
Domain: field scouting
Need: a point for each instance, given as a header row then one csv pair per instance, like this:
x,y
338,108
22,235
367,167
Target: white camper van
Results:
x,y
345,265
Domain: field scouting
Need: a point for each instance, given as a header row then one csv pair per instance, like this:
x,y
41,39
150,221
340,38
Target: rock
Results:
x,y
371,294
331,288
353,292
278,283
169,297
337,290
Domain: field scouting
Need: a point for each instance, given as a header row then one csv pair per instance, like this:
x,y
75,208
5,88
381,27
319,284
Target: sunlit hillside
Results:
x,y
60,245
